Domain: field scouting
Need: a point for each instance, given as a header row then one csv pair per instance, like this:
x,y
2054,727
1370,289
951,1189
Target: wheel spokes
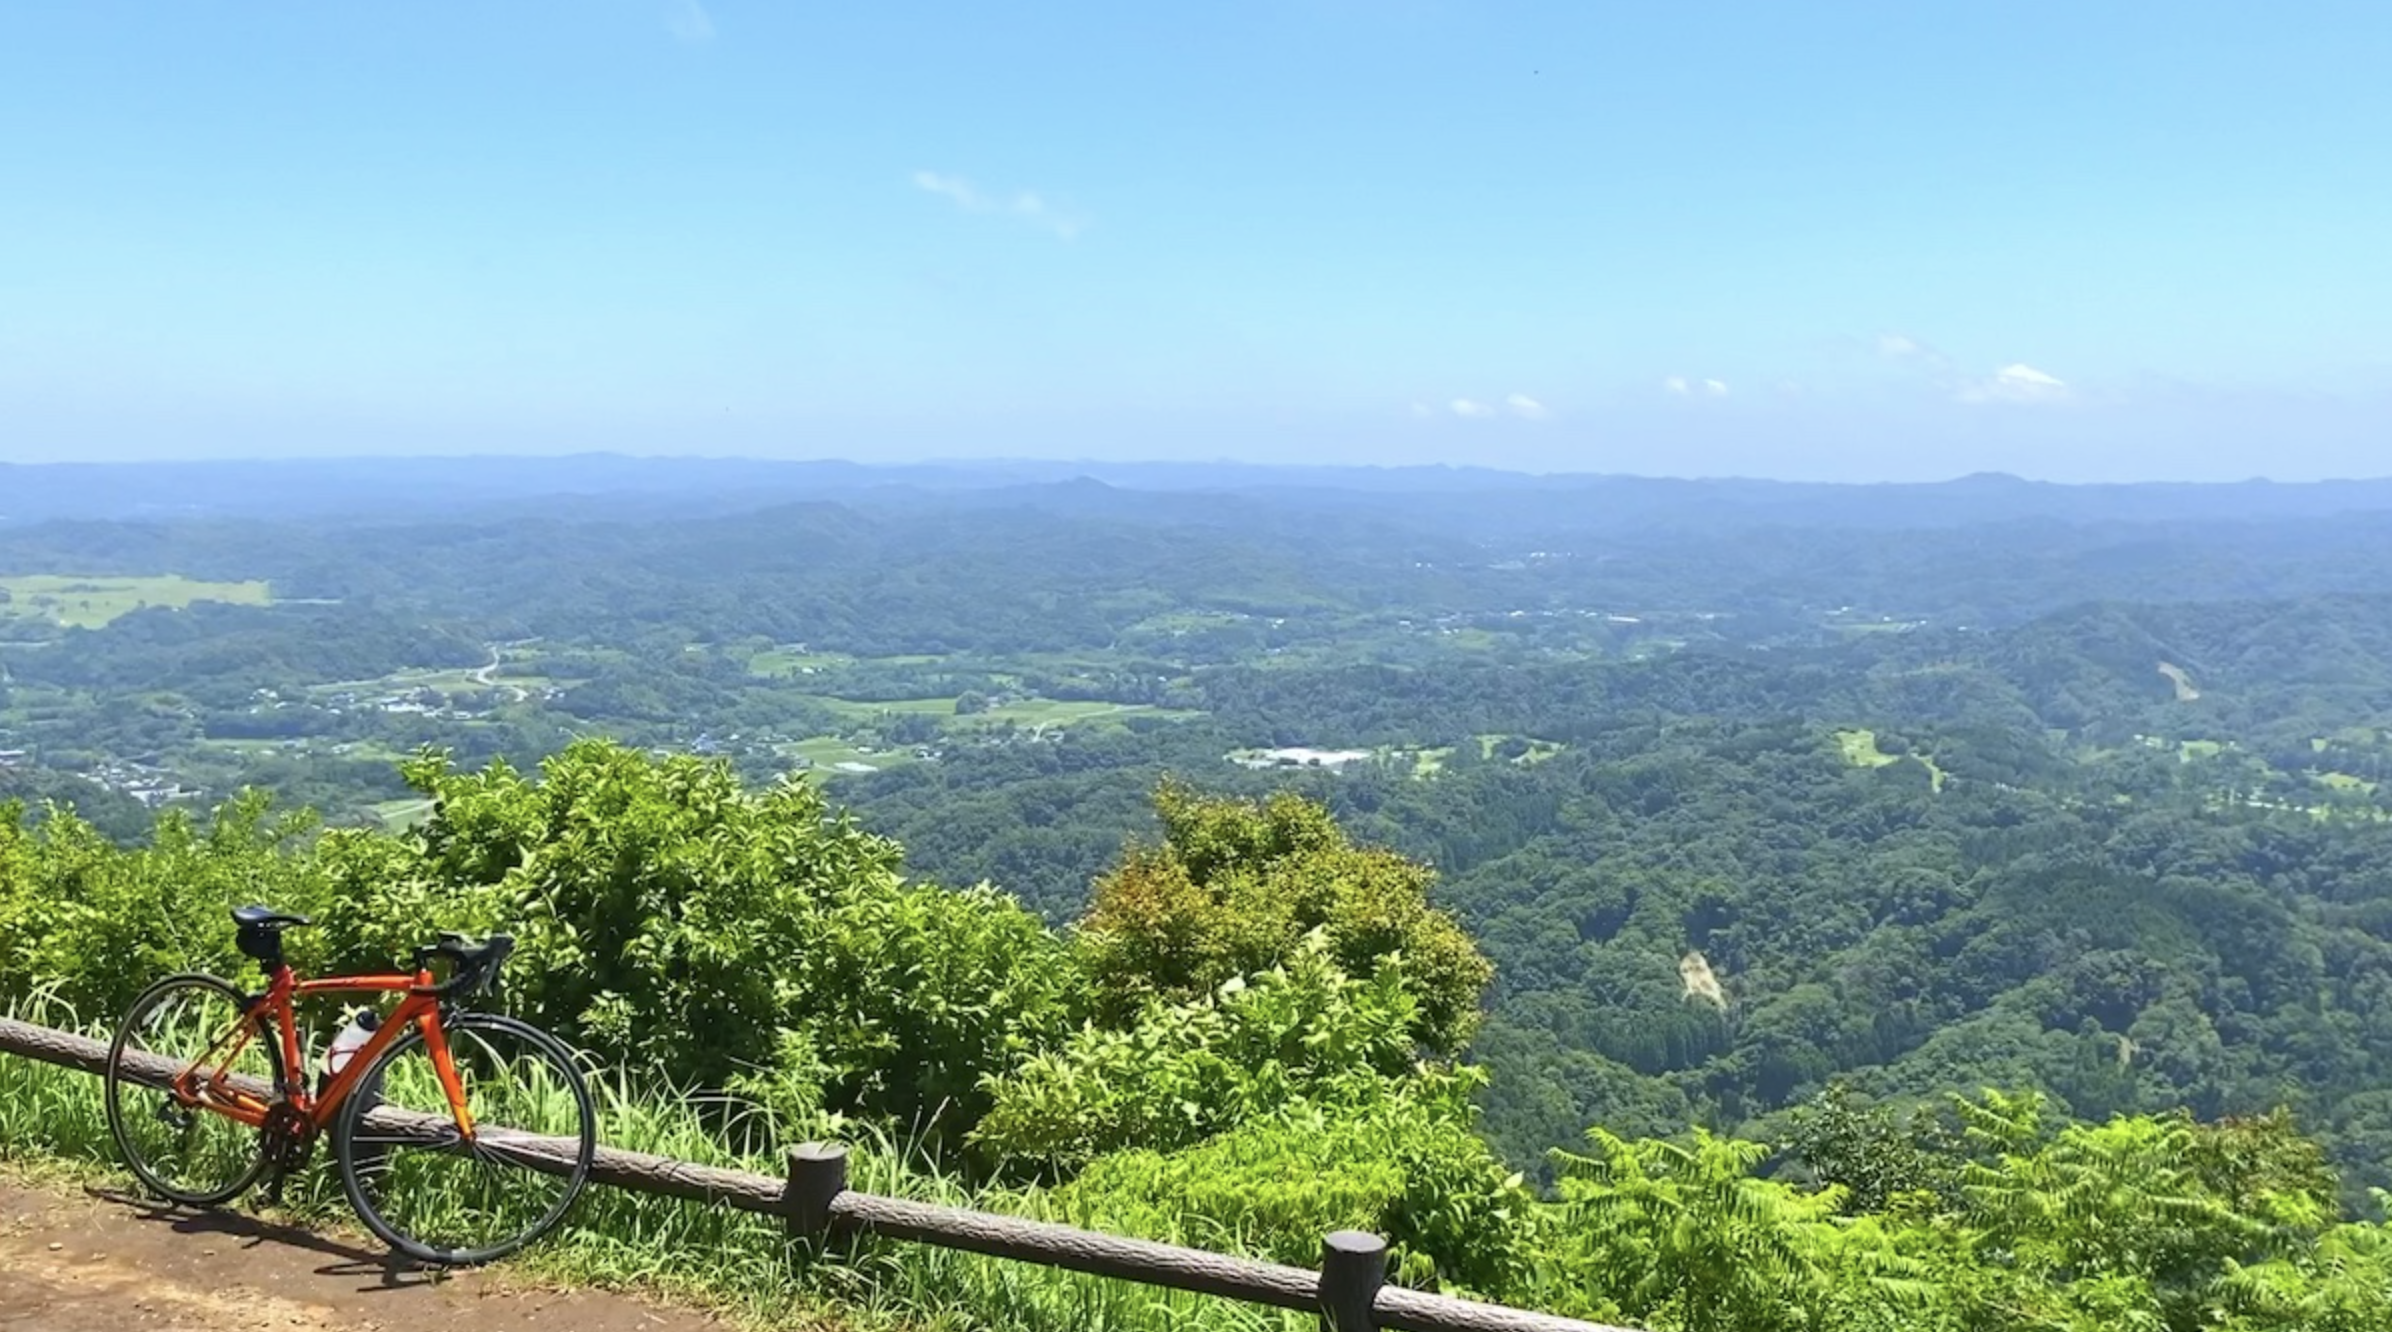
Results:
x,y
178,1147
464,1196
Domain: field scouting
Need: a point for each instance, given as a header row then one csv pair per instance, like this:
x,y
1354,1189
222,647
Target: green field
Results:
x,y
826,752
1427,762
783,661
78,601
1860,750
1055,712
1019,712
1193,620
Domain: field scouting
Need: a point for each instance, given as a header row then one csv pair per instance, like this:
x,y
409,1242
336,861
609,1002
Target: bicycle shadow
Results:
x,y
392,1271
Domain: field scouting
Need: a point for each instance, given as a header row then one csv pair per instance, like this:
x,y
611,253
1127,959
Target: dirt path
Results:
x,y
96,1261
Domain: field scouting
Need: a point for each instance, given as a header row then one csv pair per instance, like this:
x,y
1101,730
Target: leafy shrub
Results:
x,y
1411,1169
1235,888
93,924
1181,1072
913,996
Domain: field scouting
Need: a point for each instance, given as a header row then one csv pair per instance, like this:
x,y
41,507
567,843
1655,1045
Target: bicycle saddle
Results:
x,y
266,918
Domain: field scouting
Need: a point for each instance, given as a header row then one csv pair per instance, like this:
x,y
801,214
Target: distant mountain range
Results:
x,y
613,485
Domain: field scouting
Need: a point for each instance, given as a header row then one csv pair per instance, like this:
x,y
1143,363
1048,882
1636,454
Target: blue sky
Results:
x,y
1836,240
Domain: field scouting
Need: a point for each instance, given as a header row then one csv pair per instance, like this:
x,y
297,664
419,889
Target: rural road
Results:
x,y
93,1261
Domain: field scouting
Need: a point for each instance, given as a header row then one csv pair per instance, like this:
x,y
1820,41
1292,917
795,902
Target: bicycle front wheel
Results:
x,y
437,1193
178,1147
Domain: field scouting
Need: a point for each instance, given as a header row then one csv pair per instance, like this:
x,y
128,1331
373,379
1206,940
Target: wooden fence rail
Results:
x,y
1348,1290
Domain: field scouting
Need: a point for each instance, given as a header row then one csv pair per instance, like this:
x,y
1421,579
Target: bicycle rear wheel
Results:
x,y
178,1148
433,1193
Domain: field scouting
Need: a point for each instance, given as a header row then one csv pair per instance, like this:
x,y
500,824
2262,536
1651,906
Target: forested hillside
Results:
x,y
1745,793
1250,1037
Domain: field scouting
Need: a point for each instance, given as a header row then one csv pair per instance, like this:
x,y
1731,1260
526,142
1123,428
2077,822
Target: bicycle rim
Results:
x,y
187,1153
419,1184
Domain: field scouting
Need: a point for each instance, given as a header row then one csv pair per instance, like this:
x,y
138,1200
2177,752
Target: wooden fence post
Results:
x,y
1353,1267
1348,1291
817,1176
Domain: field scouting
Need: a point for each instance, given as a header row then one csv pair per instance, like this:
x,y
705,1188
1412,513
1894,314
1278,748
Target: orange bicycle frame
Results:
x,y
273,1011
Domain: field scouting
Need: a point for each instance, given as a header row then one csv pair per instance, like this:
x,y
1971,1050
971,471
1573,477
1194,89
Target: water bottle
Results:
x,y
345,1046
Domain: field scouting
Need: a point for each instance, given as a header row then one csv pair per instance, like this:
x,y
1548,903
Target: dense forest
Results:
x,y
1255,1032
1709,815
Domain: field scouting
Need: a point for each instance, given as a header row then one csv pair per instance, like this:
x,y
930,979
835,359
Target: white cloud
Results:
x,y
689,22
1714,388
1679,386
954,187
1027,205
1676,384
1528,408
1470,408
2019,383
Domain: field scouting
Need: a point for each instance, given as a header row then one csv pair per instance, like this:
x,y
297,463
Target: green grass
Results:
x,y
1469,639
778,662
1538,750
825,752
1185,621
1859,747
250,748
2343,781
1861,751
783,661
1057,712
1017,712
78,601
863,709
51,1127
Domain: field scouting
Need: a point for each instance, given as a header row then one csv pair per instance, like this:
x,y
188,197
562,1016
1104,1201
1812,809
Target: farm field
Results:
x,y
825,754
80,601
1013,712
786,661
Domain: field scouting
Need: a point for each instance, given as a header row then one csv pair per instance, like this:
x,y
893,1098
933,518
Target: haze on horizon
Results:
x,y
1839,241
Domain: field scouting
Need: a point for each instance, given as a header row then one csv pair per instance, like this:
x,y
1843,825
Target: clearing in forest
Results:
x,y
80,601
1859,746
1491,748
2185,693
1694,971
1861,751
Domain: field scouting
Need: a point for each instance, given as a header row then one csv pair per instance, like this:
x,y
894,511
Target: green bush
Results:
x,y
1236,887
1181,1072
1412,1170
1228,1054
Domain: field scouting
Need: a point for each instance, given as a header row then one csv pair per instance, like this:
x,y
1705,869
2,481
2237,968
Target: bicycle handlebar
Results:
x,y
477,964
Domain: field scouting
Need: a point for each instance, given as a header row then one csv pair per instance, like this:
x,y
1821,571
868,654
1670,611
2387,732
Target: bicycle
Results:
x,y
232,1100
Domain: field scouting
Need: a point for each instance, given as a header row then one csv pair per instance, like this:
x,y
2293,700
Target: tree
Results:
x,y
1235,887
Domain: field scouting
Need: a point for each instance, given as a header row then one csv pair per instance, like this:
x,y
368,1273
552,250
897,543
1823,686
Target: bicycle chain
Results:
x,y
290,1137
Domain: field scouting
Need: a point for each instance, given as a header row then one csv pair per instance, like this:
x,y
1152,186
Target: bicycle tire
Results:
x,y
116,1086
372,1084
